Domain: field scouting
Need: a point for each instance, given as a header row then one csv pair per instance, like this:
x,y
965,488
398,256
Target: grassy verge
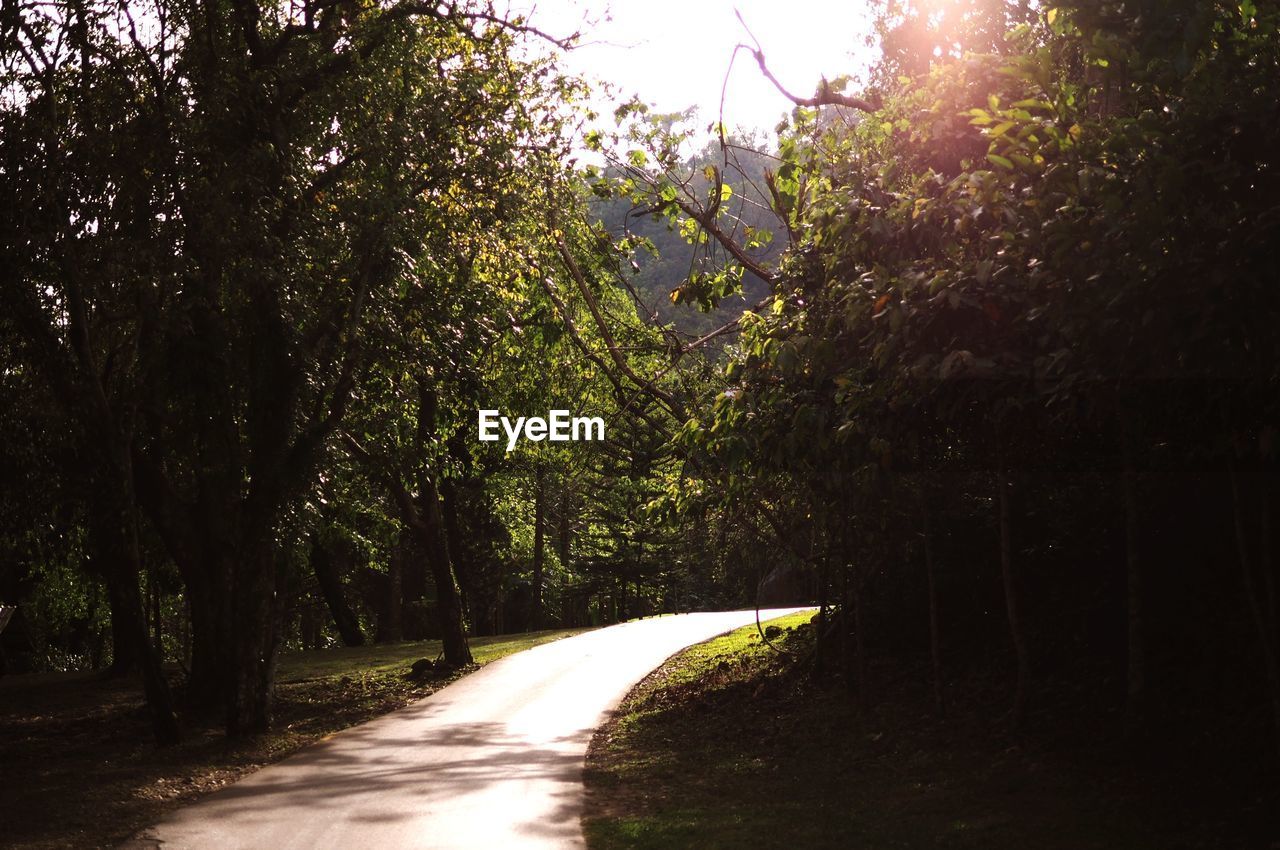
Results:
x,y
730,745
79,769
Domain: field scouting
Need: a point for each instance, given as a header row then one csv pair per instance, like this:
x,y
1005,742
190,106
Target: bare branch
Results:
x,y
610,343
595,358
825,96
708,223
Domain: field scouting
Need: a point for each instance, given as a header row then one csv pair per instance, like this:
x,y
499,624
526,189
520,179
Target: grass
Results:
x,y
378,659
79,769
730,745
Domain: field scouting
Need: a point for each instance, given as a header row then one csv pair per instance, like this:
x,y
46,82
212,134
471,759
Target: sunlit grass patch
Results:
x,y
393,657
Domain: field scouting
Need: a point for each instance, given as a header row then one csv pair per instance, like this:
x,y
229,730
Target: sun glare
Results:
x,y
675,54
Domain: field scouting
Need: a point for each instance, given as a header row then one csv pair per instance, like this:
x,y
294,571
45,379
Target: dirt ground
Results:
x,y
79,769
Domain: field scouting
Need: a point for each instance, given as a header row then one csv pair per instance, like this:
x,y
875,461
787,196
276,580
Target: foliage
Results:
x,y
1016,291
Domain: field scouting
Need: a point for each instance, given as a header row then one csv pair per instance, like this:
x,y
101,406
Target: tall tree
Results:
x,y
210,202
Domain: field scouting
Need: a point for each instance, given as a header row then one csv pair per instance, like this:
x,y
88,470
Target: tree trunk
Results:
x,y
324,562
113,532
235,622
255,641
1265,629
159,701
1136,677
1013,611
935,633
157,630
390,624
848,625
564,536
207,684
462,568
859,636
124,650
539,498
1267,554
97,640
432,535
819,644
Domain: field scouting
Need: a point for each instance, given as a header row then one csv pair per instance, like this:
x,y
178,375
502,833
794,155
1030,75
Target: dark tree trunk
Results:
x,y
97,640
820,642
430,527
539,509
325,563
1136,667
1264,626
935,631
859,636
434,541
208,684
157,629
236,620
254,618
159,702
847,627
564,536
1022,654
124,650
113,538
462,568
1267,555
390,623
184,640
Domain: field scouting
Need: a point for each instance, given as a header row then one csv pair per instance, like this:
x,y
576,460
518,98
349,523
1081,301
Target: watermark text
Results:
x,y
558,427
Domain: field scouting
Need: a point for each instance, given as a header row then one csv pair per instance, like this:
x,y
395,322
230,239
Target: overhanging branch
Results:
x,y
825,95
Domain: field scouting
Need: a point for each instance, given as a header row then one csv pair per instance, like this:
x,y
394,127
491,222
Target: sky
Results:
x,y
675,53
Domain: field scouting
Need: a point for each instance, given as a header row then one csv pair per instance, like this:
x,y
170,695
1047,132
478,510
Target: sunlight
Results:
x,y
675,54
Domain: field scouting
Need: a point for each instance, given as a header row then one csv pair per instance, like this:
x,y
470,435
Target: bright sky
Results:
x,y
674,53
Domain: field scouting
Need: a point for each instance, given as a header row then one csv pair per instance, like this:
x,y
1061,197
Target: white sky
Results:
x,y
674,53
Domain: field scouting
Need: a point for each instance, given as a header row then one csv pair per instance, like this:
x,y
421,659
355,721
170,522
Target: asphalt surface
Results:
x,y
491,762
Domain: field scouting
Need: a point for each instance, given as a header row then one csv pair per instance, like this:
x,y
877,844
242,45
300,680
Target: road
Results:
x,y
492,762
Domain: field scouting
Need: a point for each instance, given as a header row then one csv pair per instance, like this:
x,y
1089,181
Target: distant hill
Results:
x,y
659,274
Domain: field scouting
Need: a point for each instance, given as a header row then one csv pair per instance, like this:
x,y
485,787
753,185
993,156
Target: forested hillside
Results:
x,y
979,356
666,256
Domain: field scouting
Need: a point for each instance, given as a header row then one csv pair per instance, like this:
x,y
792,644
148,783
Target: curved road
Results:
x,y
492,761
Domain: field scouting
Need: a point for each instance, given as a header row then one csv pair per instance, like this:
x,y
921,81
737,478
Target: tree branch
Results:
x,y
381,469
707,222
825,96
610,343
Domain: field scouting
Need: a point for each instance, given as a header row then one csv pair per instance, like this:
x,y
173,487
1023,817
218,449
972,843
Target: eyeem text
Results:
x,y
558,427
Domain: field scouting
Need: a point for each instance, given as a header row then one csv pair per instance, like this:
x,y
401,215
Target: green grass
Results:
x,y
375,659
730,745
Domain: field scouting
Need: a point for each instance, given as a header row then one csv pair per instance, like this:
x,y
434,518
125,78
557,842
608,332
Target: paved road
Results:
x,y
492,762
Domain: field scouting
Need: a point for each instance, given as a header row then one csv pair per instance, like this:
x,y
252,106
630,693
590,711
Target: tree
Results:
x,y
208,208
